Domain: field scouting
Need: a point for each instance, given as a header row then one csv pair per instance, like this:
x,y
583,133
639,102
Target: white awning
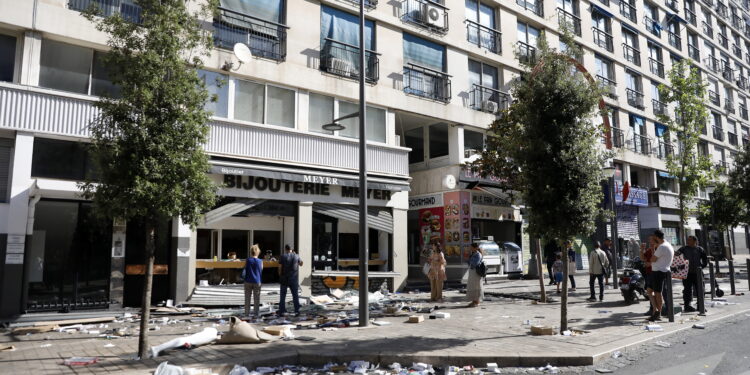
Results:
x,y
377,218
230,209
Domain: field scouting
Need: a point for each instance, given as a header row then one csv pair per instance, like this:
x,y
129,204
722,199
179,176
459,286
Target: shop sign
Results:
x,y
457,226
425,201
322,179
493,213
487,199
468,175
16,243
13,258
636,196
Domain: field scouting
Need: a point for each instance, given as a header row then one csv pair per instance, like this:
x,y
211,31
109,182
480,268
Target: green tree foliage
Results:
x,y
728,208
739,180
690,169
548,149
147,143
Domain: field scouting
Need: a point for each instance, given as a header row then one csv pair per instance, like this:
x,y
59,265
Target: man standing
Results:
x,y
289,277
697,259
607,248
550,255
660,263
598,264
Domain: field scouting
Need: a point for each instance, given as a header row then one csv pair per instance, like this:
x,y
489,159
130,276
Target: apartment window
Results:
x,y
605,73
482,74
414,139
655,59
568,15
528,37
634,89
425,64
665,182
630,47
261,103
339,40
58,159
323,109
7,58
74,69
693,51
651,18
601,29
659,107
673,30
483,86
535,6
481,26
473,142
217,86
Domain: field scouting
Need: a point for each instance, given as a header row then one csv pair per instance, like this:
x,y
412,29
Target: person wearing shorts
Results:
x,y
660,263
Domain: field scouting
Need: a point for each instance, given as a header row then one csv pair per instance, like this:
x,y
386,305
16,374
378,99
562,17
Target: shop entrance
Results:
x,y
67,263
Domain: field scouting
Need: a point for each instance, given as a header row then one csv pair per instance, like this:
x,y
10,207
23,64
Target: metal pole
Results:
x,y
615,240
747,265
669,297
731,276
364,253
712,280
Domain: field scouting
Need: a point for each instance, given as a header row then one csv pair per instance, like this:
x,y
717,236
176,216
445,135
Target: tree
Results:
x,y
147,144
689,168
726,212
548,150
739,181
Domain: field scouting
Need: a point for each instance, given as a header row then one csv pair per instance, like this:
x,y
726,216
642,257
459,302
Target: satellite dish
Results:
x,y
242,52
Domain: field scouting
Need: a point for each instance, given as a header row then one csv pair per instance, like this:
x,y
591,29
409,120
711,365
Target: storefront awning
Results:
x,y
377,218
230,209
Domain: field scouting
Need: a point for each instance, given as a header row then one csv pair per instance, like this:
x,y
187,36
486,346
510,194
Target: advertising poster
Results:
x,y
430,228
457,226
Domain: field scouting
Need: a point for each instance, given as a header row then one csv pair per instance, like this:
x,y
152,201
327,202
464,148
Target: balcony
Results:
x,y
484,37
426,14
737,51
631,54
641,144
656,67
129,11
713,97
709,2
618,138
660,108
741,82
526,53
603,39
722,167
265,39
675,40
732,139
427,83
608,86
691,17
627,10
694,53
673,4
665,150
743,112
727,72
707,29
729,105
723,40
737,22
718,133
488,100
343,60
747,32
652,26
712,64
534,6
571,20
721,9
635,98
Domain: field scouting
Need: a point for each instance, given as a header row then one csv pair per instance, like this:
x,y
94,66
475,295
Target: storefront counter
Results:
x,y
211,264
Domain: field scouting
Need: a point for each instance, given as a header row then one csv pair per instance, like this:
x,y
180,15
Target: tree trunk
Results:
x,y
564,296
143,348
683,218
732,245
543,293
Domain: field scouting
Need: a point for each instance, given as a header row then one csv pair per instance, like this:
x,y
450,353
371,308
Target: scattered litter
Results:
x,y
567,333
381,323
239,370
109,345
605,311
663,344
492,367
443,315
7,348
616,354
542,330
165,368
549,369
654,328
38,329
45,345
604,371
80,361
416,319
201,338
699,326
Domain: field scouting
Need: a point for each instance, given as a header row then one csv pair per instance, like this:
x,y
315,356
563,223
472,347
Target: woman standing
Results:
x,y
474,284
571,264
252,273
436,273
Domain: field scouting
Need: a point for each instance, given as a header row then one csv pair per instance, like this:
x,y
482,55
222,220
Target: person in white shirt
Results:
x,y
598,269
660,263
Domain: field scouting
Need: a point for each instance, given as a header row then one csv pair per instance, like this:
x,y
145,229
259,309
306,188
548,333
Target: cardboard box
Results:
x,y
416,319
542,331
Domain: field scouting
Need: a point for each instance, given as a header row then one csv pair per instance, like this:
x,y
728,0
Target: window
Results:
x,y
324,109
248,101
651,19
602,31
321,112
414,139
6,152
473,142
7,57
423,73
656,65
259,24
528,38
633,81
424,52
339,40
217,86
630,47
256,102
482,74
59,159
438,134
267,10
481,26
604,69
567,13
74,69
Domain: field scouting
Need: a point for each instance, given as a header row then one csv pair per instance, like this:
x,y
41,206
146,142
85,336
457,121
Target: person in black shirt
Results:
x,y
550,255
697,259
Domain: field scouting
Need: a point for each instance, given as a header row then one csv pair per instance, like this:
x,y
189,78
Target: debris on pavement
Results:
x,y
654,328
699,326
542,330
663,344
206,336
80,361
549,369
7,348
416,319
604,371
616,354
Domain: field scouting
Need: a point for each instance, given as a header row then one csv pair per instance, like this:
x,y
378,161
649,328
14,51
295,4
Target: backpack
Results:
x,y
481,269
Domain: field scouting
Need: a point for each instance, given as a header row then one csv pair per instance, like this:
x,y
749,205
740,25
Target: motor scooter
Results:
x,y
633,282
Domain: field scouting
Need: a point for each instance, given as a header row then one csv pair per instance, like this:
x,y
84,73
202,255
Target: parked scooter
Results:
x,y
633,282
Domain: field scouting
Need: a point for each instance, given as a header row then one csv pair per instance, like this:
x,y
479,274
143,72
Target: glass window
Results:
x,y
527,34
351,125
414,139
269,10
7,57
424,52
480,13
101,84
216,84
603,67
321,112
280,107
65,160
6,148
473,142
375,124
629,38
482,75
344,27
438,140
248,101
65,67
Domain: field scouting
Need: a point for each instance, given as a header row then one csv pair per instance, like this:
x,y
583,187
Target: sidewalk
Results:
x,y
496,332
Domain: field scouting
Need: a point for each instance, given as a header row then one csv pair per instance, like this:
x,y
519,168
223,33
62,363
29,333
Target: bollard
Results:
x,y
712,280
731,276
669,298
718,270
747,265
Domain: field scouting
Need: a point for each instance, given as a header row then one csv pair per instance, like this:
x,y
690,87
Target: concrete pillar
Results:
x,y
182,269
304,246
303,109
30,58
456,144
18,213
400,248
626,173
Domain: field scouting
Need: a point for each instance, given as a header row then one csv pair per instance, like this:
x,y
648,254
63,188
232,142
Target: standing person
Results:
x,y
647,250
571,264
660,263
437,273
474,290
550,251
557,269
607,248
289,278
253,271
697,259
598,264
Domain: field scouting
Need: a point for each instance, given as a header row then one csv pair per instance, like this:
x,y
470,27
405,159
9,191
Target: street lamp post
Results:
x,y
364,253
609,172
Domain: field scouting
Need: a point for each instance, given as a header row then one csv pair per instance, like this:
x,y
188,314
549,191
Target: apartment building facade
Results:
x,y
437,75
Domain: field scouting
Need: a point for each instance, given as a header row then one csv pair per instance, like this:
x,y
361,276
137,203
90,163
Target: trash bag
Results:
x,y
201,338
243,333
239,370
165,368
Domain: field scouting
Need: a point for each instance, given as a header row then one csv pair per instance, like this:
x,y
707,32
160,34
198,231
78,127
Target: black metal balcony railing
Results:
x,y
526,53
694,53
128,11
618,138
718,133
747,58
484,37
265,39
727,72
675,40
743,112
741,82
714,98
660,108
534,6
691,17
652,26
631,54
721,9
427,14
572,21
737,22
627,10
723,40
732,139
487,99
712,64
656,67
745,141
665,150
737,50
603,39
673,4
343,60
709,2
707,29
729,105
608,85
635,98
641,144
427,83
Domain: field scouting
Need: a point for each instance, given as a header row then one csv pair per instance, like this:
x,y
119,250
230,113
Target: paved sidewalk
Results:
x,y
495,332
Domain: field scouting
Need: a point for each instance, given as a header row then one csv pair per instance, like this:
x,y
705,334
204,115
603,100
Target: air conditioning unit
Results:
x,y
341,66
490,106
433,15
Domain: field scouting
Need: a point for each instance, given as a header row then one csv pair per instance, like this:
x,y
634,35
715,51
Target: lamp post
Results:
x,y
364,254
609,173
